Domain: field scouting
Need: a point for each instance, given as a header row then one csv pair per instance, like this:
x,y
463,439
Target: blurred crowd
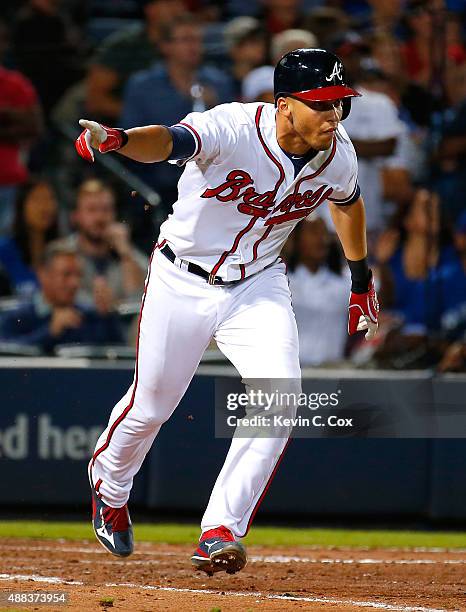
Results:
x,y
74,243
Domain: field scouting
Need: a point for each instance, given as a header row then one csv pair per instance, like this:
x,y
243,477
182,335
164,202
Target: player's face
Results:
x,y
311,123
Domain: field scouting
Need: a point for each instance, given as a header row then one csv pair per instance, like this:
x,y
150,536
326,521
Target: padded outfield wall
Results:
x,y
53,411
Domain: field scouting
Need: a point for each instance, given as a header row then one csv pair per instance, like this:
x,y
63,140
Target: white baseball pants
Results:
x,y
254,326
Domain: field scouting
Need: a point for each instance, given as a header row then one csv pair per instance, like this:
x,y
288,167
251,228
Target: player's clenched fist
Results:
x,y
363,311
100,137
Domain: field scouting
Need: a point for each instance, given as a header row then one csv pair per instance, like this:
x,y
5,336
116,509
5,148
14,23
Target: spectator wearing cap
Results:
x,y
20,126
258,85
124,53
55,317
246,43
289,40
169,90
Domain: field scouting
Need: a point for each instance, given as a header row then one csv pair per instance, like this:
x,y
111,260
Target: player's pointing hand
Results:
x,y
100,137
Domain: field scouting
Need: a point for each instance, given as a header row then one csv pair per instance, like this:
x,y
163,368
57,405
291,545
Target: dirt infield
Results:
x,y
159,577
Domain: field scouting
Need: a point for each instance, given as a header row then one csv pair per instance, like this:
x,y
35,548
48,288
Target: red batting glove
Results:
x,y
363,312
100,137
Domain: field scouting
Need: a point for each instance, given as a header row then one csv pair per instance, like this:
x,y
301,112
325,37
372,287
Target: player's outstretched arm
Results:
x,y
151,143
363,309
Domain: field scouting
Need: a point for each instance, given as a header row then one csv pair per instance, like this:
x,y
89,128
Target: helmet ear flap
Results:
x,y
346,108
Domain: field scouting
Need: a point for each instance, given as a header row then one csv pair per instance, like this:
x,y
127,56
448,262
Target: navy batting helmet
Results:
x,y
313,75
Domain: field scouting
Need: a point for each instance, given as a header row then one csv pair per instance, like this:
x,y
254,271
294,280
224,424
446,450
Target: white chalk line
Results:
x,y
38,578
324,600
329,600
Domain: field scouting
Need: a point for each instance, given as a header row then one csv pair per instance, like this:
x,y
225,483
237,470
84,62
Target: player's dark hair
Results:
x,y
20,230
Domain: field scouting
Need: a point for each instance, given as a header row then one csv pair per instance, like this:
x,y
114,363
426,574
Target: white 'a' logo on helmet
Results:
x,y
336,72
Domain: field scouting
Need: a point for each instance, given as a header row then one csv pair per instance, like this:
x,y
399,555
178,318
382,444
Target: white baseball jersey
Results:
x,y
238,199
238,202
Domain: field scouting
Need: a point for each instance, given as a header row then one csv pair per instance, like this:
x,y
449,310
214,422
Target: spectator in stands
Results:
x,y
35,225
289,40
453,279
416,100
352,48
411,264
55,317
246,43
124,53
113,270
385,14
20,125
168,91
46,51
319,296
327,23
452,154
258,85
279,15
424,17
375,129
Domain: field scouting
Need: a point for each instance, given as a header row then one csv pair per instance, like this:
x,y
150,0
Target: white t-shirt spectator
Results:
x,y
320,303
373,117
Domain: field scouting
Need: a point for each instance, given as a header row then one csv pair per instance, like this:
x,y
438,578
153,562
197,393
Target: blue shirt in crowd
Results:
x,y
424,303
29,325
150,98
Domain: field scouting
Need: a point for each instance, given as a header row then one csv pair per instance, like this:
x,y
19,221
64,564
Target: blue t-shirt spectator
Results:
x,y
422,302
151,98
453,288
29,324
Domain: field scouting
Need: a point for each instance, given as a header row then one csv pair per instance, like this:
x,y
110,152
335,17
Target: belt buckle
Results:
x,y
211,279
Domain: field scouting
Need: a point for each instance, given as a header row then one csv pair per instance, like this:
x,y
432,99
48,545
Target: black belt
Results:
x,y
195,269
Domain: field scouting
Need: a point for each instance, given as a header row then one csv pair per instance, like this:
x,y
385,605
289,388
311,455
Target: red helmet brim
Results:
x,y
320,94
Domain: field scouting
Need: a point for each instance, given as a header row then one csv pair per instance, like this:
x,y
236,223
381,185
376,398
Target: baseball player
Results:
x,y
251,173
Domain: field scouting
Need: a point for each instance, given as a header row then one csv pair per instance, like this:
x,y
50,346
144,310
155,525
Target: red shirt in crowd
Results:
x,y
16,92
